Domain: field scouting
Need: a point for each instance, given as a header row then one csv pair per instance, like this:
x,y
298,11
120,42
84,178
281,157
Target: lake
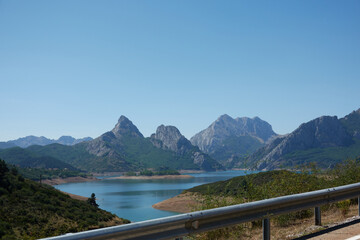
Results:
x,y
132,199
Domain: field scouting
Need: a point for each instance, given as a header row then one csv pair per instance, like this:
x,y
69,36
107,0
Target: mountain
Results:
x,y
325,140
42,141
68,140
123,148
4,145
228,138
26,158
352,123
170,138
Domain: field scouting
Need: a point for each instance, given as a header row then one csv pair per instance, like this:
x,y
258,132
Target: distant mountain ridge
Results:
x,y
42,141
227,138
325,140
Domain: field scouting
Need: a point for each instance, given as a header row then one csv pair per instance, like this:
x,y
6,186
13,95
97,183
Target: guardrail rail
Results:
x,y
201,221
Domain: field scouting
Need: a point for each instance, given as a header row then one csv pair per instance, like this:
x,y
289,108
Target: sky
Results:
x,y
73,67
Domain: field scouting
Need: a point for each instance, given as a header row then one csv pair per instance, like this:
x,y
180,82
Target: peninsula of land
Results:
x,y
153,177
182,203
57,181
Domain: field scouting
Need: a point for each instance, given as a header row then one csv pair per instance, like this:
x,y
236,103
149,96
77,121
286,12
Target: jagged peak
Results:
x,y
162,127
225,117
125,126
123,118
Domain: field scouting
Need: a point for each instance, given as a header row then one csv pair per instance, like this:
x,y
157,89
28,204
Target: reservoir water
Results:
x,y
133,199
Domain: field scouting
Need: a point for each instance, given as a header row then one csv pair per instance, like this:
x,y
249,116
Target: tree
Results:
x,y
3,168
92,200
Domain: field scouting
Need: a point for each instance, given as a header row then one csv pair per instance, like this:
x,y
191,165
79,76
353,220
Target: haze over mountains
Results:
x,y
226,143
42,141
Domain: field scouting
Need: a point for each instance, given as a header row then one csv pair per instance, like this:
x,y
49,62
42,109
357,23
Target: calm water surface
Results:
x,y
132,199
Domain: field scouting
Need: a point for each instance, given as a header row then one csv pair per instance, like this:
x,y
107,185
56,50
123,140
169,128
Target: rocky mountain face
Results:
x,y
318,140
352,123
170,138
124,148
42,141
110,143
227,138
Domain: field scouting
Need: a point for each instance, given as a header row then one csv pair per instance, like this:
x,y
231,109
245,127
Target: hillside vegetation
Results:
x,y
265,185
27,158
123,148
29,210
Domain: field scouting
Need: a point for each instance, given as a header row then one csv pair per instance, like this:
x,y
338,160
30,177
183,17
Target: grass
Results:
x,y
272,184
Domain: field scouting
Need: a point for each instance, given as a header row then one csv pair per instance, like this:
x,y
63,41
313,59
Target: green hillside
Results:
x,y
76,156
127,154
29,210
324,157
142,152
277,183
262,185
27,158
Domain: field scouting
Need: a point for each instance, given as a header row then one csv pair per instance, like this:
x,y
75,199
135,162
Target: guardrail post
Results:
x,y
359,205
317,216
266,228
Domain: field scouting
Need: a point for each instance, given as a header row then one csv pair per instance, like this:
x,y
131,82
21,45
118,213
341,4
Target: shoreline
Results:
x,y
153,177
74,196
182,203
57,181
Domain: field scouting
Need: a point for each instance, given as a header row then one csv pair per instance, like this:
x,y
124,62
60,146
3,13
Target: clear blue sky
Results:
x,y
72,67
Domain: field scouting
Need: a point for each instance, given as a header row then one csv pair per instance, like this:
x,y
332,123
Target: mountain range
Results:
x,y
226,143
124,148
42,141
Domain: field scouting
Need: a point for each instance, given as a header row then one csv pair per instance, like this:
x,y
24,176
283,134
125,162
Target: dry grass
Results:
x,y
297,228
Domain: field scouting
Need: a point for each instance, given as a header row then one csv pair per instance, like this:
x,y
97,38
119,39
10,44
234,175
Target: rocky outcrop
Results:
x,y
110,143
125,127
227,138
170,138
323,132
124,148
352,123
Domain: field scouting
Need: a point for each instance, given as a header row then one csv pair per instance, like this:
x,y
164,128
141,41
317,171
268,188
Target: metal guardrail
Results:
x,y
201,221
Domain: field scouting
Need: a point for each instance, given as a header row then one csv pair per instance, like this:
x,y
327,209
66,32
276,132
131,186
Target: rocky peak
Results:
x,y
325,131
256,127
224,119
352,123
226,127
170,137
125,127
322,132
